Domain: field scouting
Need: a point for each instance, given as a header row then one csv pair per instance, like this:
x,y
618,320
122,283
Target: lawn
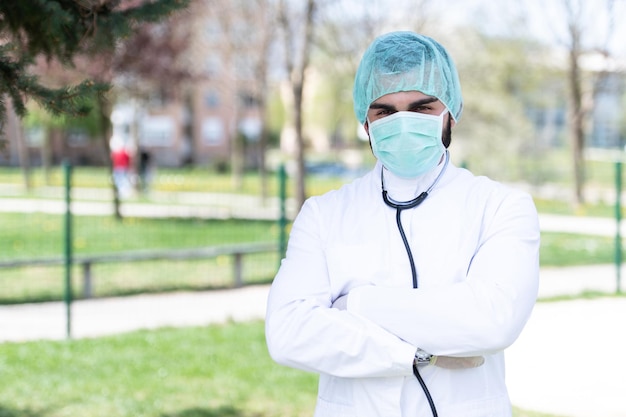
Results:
x,y
27,236
167,179
213,371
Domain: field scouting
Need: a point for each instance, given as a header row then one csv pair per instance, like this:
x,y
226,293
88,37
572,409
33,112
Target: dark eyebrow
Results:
x,y
420,103
382,106
413,105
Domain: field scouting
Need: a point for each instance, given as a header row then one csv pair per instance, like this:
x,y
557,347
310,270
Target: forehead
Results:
x,y
402,98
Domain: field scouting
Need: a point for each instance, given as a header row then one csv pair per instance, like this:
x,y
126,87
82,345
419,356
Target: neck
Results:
x,y
405,189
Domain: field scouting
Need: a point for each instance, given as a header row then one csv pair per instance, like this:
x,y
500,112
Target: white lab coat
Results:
x,y
475,243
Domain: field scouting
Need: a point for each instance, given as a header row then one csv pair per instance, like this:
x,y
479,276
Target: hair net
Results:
x,y
406,61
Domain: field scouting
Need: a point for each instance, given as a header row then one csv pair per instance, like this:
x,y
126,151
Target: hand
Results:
x,y
341,303
450,362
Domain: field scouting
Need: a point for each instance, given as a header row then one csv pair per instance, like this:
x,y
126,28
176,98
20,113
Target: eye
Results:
x,y
423,109
384,112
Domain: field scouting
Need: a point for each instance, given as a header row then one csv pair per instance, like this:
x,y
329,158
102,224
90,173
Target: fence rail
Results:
x,y
87,261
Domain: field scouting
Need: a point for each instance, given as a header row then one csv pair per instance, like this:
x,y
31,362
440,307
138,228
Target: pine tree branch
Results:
x,y
61,30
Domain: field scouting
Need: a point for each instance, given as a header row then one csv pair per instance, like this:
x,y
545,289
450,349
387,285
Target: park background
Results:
x,y
219,138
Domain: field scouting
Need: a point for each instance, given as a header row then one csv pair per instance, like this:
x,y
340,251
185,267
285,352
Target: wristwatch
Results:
x,y
422,358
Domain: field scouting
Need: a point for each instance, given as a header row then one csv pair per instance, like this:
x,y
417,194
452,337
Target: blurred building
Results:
x,y
216,110
219,108
608,129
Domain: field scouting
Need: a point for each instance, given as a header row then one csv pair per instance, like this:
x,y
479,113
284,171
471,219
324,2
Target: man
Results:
x,y
403,288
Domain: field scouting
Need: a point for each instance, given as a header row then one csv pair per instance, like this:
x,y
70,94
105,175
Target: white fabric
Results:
x,y
475,243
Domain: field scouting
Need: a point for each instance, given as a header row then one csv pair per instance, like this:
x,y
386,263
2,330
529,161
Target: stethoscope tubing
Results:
x,y
399,206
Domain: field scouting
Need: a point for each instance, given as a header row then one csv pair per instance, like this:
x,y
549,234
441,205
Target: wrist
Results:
x,y
422,358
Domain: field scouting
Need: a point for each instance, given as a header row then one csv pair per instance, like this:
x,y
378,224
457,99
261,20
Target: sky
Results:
x,y
544,20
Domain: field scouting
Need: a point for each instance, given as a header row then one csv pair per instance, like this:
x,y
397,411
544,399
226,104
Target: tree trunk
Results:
x,y
577,132
15,129
46,155
261,70
300,167
105,121
297,71
263,139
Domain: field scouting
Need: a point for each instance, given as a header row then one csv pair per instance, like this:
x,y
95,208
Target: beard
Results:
x,y
446,136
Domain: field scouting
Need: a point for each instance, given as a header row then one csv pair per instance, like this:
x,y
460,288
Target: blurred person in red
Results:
x,y
121,160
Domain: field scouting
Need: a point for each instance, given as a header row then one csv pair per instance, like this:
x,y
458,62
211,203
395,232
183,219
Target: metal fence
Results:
x,y
69,244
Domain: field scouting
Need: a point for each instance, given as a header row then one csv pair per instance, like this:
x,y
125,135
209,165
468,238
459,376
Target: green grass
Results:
x,y
27,235
179,179
213,371
599,209
39,284
566,249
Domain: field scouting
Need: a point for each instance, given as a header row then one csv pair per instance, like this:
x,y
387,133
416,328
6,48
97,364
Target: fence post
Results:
x,y
238,269
282,221
87,281
618,218
67,245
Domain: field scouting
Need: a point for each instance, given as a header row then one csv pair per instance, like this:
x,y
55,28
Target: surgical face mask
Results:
x,y
408,143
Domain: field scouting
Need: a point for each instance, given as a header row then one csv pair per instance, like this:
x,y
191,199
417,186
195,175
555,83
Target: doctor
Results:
x,y
403,288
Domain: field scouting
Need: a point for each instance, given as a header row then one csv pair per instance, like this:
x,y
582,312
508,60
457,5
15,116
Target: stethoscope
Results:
x,y
404,205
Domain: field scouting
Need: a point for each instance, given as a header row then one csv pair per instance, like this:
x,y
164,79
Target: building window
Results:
x,y
212,65
212,131
157,131
211,100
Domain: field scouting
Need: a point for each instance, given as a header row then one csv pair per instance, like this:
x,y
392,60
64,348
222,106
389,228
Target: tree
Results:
x,y
62,30
580,28
70,33
261,69
298,38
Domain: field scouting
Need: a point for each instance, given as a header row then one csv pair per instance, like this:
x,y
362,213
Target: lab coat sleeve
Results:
x,y
483,312
303,331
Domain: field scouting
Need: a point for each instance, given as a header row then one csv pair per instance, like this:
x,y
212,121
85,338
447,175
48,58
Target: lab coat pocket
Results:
x,y
351,265
335,390
358,397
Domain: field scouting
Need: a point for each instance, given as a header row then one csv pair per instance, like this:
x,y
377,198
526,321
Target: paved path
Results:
x,y
571,359
106,316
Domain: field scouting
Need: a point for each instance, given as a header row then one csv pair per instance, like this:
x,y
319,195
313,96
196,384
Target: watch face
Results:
x,y
422,357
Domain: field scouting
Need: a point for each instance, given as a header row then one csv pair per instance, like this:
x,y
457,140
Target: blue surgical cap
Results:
x,y
406,61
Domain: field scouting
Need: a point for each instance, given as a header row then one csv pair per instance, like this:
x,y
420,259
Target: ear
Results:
x,y
452,121
366,126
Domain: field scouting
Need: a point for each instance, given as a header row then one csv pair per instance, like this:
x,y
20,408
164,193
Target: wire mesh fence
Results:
x,y
168,241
